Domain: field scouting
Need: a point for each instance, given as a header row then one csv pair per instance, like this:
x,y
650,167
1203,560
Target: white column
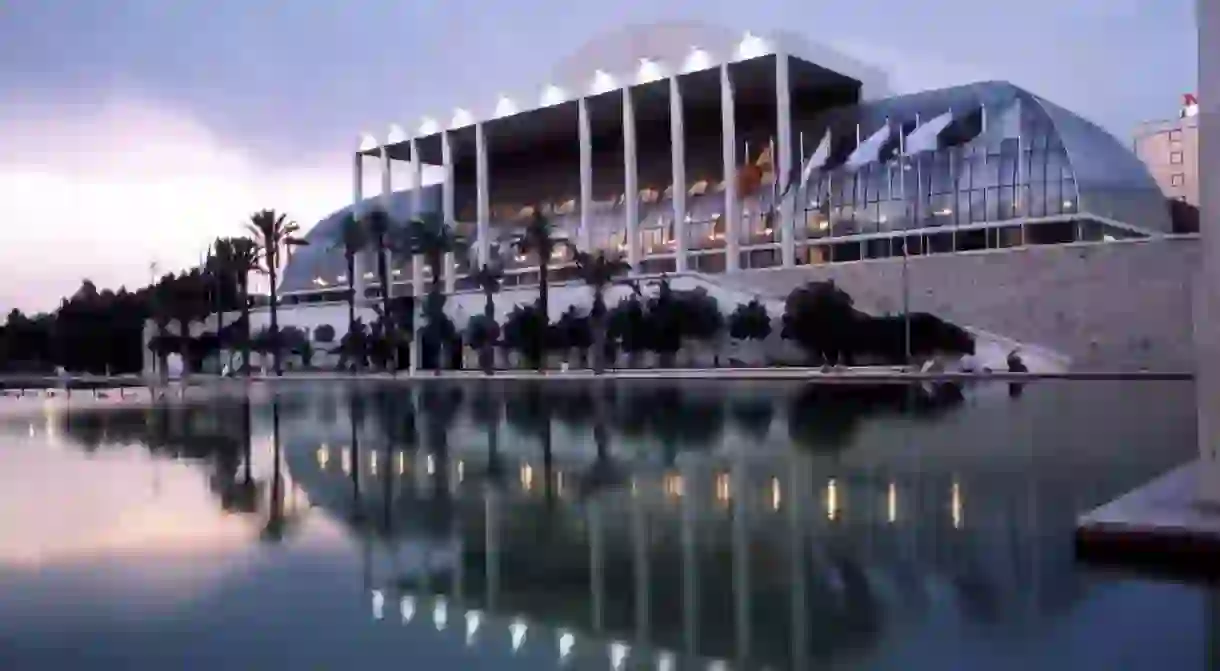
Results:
x,y
783,157
677,158
448,275
631,181
358,282
584,136
482,196
732,208
1207,284
387,188
417,261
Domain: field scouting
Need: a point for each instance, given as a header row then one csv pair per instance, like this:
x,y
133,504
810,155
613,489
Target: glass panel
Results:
x,y
978,206
993,205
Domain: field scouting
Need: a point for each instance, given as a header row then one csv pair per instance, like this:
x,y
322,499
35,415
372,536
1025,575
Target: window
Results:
x,y
1177,180
1175,135
1175,157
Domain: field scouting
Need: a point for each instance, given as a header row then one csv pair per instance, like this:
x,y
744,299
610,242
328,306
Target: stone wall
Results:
x,y
1108,306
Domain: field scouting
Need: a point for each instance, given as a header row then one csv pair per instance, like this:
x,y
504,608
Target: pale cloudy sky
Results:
x,y
134,131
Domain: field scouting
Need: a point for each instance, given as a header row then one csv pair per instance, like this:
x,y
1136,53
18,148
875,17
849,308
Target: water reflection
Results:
x,y
670,525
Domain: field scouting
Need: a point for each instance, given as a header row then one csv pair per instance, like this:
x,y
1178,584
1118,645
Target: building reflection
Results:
x,y
787,561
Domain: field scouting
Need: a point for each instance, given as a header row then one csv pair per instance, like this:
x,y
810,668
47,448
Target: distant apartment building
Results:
x,y
1170,149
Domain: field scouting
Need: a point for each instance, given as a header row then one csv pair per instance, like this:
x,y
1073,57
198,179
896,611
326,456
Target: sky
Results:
x,y
133,132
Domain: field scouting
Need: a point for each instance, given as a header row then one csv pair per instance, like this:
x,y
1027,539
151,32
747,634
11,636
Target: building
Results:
x,y
716,154
1170,149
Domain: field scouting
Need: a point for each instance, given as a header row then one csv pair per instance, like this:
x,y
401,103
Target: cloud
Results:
x,y
102,191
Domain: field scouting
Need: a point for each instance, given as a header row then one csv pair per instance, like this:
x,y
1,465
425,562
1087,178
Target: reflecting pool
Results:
x,y
589,524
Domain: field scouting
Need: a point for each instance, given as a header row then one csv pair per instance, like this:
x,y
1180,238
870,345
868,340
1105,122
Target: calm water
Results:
x,y
631,525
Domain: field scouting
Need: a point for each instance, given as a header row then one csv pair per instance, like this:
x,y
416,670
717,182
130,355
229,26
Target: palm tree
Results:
x,y
539,239
273,232
379,233
599,271
488,278
430,237
353,239
235,258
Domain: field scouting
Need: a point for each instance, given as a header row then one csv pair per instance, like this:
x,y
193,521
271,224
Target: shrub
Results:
x,y
324,333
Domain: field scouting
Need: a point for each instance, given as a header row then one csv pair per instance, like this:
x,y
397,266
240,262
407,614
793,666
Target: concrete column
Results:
x,y
783,156
482,197
448,208
1207,284
677,158
732,208
417,261
584,135
387,188
358,282
631,181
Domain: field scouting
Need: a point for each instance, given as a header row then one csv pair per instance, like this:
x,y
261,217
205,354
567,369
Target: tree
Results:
x,y
525,331
750,321
353,239
430,237
236,258
574,331
598,271
539,240
821,318
488,278
379,229
627,324
482,332
324,333
274,232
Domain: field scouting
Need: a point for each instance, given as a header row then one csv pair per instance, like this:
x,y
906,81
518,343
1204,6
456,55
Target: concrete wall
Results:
x,y
1113,306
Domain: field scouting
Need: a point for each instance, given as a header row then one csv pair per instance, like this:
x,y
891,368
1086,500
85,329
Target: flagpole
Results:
x,y
906,225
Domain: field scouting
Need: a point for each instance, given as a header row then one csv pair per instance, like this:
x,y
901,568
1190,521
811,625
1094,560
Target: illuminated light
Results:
x,y
341,278
832,499
31,431
553,95
367,142
723,491
473,619
378,604
431,465
650,71
956,505
943,213
891,504
397,134
402,463
767,231
396,272
823,225
1108,238
602,82
665,661
618,654
373,463
566,642
319,281
440,614
698,59
406,608
776,496
1068,203
752,46
505,107
461,118
369,275
323,453
673,486
559,483
346,462
717,665
517,630
429,126
883,219
461,470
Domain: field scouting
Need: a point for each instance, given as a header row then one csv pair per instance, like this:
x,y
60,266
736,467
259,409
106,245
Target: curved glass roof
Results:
x,y
1111,181
323,257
